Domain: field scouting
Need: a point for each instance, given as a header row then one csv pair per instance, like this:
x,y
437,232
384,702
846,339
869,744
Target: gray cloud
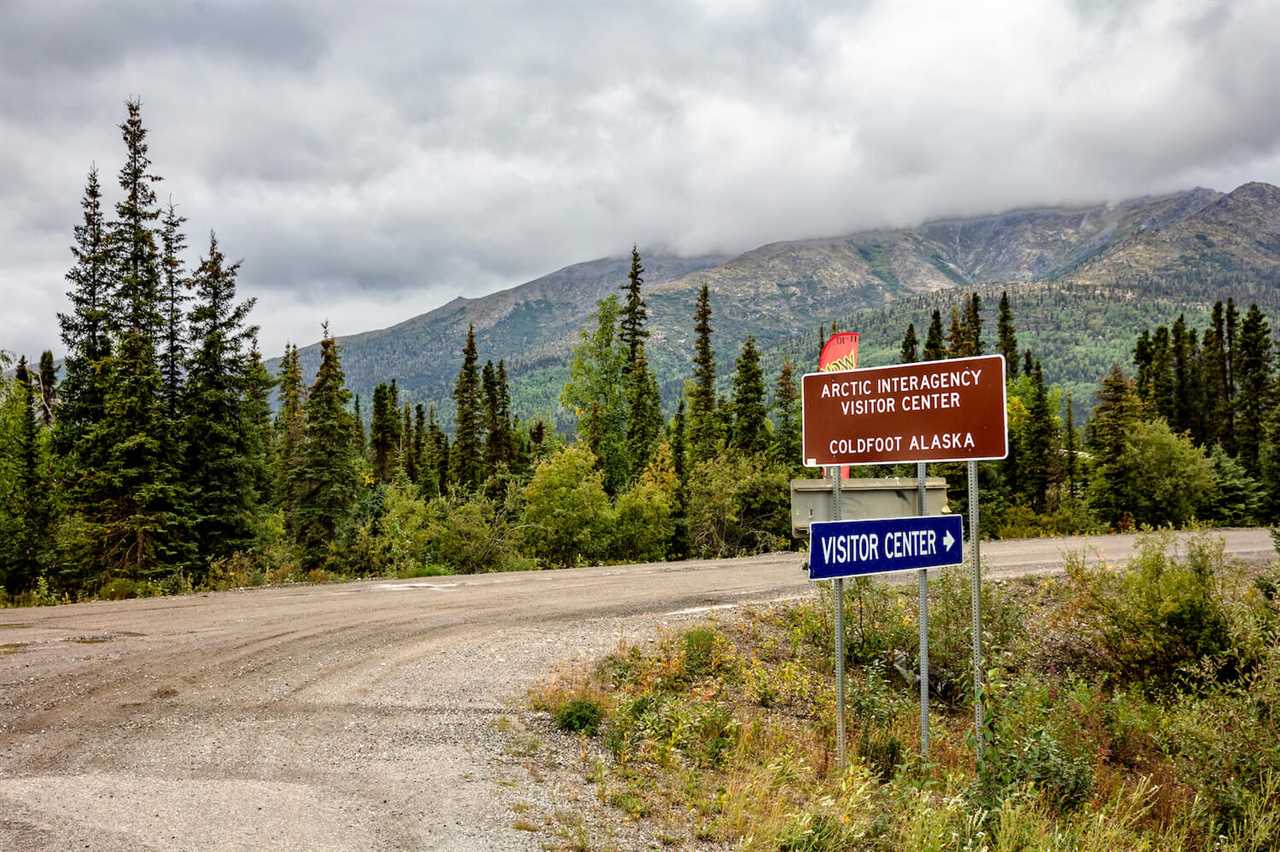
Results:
x,y
371,161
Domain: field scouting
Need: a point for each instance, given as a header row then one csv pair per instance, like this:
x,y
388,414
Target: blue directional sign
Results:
x,y
877,546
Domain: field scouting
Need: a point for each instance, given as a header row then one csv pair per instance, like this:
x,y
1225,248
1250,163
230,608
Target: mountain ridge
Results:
x,y
1152,246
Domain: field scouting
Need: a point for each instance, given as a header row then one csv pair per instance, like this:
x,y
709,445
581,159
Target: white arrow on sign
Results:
x,y
947,540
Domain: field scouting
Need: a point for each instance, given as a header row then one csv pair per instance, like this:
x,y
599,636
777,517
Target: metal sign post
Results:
x,y
932,411
924,624
838,590
977,612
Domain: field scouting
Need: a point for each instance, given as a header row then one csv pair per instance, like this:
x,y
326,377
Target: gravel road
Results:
x,y
355,716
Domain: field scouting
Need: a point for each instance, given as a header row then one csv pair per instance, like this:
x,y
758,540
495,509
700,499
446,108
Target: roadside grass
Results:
x,y
1126,709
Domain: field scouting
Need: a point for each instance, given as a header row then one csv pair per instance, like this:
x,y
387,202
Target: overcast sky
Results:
x,y
370,161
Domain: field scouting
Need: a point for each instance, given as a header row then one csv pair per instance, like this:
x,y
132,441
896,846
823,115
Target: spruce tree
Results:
x,y
85,335
1213,378
383,431
703,427
1008,335
1039,446
32,509
1069,449
786,413
48,389
362,443
1142,362
467,452
1162,384
1183,399
1253,388
173,296
910,348
256,416
644,412
1231,322
219,469
679,546
957,336
1114,418
290,433
438,443
934,347
419,450
326,481
973,325
631,328
505,451
750,433
136,511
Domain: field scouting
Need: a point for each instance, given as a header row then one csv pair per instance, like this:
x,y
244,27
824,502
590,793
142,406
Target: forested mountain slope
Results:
x,y
1081,281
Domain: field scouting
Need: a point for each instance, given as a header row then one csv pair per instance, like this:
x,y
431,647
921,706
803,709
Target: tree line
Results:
x,y
155,461
1194,434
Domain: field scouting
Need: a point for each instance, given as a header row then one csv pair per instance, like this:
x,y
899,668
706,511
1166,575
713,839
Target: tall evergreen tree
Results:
x,y
1142,363
408,459
1254,388
750,433
631,328
679,547
1162,385
704,428
421,454
786,408
1070,450
935,348
1008,335
1039,445
326,480
973,324
1213,379
910,347
1117,413
644,412
35,521
1231,322
362,443
48,388
438,442
136,511
218,442
467,452
384,432
957,336
173,296
290,434
85,333
256,416
1183,401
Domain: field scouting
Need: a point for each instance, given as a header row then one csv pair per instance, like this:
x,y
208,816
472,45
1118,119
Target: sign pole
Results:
x,y
977,612
924,623
838,588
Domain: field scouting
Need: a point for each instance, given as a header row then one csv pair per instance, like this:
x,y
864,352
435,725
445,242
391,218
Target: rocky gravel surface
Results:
x,y
370,715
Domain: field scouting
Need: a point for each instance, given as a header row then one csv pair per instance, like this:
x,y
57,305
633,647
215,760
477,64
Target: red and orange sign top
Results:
x,y
931,411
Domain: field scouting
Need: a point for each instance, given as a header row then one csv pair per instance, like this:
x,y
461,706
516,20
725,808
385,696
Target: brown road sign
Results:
x,y
927,412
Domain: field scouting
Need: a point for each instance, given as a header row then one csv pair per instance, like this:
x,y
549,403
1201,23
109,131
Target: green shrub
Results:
x,y
643,524
579,715
1154,621
121,589
567,513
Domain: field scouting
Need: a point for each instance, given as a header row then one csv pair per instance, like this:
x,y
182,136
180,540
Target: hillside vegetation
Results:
x,y
1142,712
